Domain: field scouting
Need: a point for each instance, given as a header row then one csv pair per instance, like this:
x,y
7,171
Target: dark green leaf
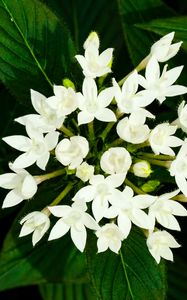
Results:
x,y
135,11
68,291
35,47
177,279
53,262
164,26
133,274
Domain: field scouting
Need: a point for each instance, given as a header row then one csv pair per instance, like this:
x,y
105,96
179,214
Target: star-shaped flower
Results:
x,y
75,219
22,185
159,244
161,86
93,105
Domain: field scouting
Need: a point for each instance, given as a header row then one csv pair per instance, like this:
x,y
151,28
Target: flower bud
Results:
x,y
68,83
85,171
142,169
150,186
92,41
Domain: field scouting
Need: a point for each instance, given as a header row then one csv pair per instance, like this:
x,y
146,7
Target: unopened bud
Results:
x,y
142,169
68,83
92,40
150,186
85,171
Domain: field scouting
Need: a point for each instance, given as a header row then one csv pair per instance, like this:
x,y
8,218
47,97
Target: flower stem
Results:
x,y
154,156
62,194
106,130
91,131
116,143
139,67
161,163
134,187
180,198
65,130
41,178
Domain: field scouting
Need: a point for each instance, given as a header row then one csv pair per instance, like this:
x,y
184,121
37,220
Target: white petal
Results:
x,y
175,90
81,60
102,244
24,160
37,235
166,253
106,115
8,180
37,100
89,222
85,117
140,218
43,160
60,210
29,187
182,184
86,194
105,57
79,238
12,198
172,75
143,201
19,142
59,229
89,89
168,221
98,208
105,97
25,230
152,72
177,208
124,224
115,180
51,139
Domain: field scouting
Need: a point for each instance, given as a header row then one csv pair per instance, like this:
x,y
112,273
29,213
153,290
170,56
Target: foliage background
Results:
x,y
130,26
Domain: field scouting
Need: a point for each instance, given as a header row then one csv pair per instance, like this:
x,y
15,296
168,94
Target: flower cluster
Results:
x,y
114,142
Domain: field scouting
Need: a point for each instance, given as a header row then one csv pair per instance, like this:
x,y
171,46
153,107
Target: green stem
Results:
x,y
155,156
66,131
41,178
126,275
140,67
62,194
134,187
161,163
27,44
180,198
116,143
91,131
106,130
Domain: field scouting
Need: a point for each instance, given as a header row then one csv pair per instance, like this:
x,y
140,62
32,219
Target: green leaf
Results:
x,y
83,17
68,291
166,25
36,49
47,262
177,279
133,274
133,12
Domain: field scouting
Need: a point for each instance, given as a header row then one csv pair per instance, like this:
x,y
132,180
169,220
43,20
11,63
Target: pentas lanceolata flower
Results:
x,y
103,139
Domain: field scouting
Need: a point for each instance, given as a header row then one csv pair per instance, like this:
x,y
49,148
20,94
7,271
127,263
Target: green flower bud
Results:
x,y
142,169
150,186
68,83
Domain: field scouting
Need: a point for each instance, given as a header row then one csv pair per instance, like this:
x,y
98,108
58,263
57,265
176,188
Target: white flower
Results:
x,y
163,50
93,105
159,244
37,148
36,222
128,208
70,152
94,64
142,169
133,129
75,219
116,160
64,102
47,120
181,122
85,171
100,191
178,168
163,210
161,86
22,185
127,98
109,236
161,139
